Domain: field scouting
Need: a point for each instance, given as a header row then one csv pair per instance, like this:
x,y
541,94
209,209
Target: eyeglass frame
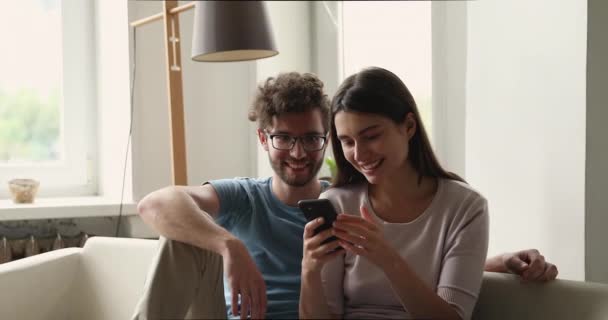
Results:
x,y
294,140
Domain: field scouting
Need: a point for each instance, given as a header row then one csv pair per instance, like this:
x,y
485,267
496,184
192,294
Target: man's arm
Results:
x,y
529,264
186,214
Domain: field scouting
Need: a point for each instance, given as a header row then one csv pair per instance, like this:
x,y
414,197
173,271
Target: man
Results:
x,y
251,228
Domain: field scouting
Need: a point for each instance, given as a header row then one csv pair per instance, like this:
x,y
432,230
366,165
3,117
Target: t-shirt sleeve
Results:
x,y
234,200
464,259
332,278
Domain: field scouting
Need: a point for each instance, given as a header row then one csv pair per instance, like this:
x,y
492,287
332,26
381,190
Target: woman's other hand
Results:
x,y
362,236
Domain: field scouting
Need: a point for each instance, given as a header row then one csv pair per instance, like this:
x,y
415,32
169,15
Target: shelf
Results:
x,y
59,208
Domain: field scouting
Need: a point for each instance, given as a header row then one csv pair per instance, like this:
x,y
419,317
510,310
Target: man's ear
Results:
x,y
263,139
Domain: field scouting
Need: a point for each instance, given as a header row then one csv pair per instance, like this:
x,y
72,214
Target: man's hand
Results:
x,y
245,281
530,265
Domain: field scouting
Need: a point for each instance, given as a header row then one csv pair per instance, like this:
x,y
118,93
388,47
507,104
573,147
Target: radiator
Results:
x,y
13,249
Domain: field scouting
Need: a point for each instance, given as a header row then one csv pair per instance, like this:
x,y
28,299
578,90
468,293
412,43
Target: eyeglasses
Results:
x,y
287,142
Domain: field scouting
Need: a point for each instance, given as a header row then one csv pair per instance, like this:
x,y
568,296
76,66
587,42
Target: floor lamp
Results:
x,y
223,31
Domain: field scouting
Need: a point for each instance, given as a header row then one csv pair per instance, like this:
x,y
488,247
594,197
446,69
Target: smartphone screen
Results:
x,y
316,208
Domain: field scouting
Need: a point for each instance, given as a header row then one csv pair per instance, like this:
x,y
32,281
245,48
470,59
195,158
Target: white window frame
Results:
x,y
76,173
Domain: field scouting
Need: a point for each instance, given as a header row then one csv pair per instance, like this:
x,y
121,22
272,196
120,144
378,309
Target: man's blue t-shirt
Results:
x,y
272,232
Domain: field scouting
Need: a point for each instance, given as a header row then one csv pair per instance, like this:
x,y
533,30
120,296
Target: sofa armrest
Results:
x,y
504,296
39,287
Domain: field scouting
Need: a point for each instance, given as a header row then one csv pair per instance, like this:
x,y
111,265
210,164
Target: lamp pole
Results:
x,y
176,95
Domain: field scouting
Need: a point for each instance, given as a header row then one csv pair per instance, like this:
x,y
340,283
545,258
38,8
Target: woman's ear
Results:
x,y
263,139
410,125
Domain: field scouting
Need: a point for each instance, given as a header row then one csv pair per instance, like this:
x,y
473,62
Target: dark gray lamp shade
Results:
x,y
231,31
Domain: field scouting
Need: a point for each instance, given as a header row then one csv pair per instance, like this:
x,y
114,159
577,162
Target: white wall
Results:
x,y
525,137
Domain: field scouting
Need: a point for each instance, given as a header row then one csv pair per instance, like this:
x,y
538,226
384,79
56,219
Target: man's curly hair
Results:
x,y
287,93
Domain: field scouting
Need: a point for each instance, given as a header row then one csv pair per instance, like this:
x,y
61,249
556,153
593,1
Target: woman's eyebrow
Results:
x,y
372,127
362,131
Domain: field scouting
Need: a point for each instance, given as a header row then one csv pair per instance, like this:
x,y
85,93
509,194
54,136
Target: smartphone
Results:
x,y
315,208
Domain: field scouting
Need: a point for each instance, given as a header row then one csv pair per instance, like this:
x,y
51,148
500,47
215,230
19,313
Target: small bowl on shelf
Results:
x,y
23,190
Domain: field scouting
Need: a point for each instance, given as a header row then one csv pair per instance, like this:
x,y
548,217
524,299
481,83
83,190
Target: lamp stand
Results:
x,y
170,17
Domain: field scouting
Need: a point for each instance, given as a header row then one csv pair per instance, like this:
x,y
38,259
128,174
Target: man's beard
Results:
x,y
281,170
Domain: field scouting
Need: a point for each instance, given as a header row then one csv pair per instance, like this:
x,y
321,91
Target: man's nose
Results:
x,y
297,151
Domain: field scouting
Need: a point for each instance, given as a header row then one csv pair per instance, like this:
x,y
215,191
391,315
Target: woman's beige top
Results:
x,y
446,246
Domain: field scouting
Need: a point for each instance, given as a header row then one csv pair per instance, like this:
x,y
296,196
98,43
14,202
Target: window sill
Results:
x,y
59,208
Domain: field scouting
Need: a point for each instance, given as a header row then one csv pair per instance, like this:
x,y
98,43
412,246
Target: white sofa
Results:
x,y
103,280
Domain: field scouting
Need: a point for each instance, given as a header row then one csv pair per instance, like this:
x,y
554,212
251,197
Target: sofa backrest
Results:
x,y
113,275
504,296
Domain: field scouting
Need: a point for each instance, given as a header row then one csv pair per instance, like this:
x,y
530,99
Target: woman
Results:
x,y
413,239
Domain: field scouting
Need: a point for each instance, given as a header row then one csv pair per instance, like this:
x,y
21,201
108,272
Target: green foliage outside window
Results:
x,y
331,164
29,126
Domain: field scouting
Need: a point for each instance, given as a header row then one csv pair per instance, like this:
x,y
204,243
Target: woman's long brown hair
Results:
x,y
379,91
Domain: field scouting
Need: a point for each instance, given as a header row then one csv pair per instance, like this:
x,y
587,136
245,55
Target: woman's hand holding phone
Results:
x,y
316,253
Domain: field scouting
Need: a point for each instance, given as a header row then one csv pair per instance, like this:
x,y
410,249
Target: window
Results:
x,y
393,35
47,96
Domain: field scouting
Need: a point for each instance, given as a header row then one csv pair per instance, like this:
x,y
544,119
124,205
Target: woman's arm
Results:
x,y
417,298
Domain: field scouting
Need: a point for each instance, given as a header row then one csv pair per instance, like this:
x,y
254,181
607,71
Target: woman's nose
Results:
x,y
359,152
